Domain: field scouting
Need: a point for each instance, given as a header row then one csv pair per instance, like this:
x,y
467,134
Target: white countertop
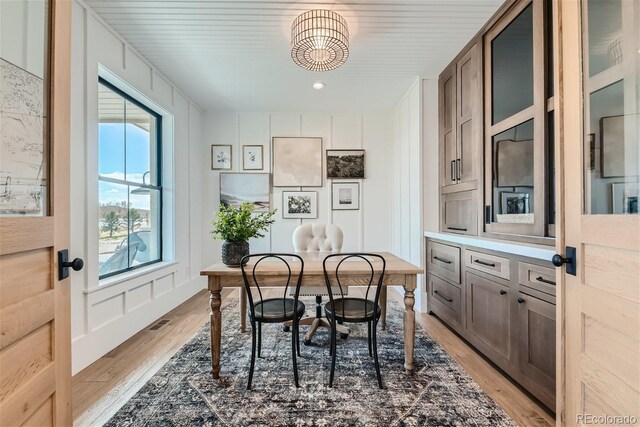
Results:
x,y
523,249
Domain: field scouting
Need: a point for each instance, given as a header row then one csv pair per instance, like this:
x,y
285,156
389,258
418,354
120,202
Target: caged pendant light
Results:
x,y
319,40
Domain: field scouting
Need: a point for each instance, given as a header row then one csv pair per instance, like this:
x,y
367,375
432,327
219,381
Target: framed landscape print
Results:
x,y
252,157
347,164
299,204
345,196
238,188
297,162
220,157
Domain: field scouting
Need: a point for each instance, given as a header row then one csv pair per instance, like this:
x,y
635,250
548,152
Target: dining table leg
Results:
x,y
243,309
215,319
409,323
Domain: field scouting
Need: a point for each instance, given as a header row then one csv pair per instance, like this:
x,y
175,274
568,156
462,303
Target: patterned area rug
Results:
x,y
183,392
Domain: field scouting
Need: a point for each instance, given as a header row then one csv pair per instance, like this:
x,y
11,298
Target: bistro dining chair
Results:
x,y
273,310
317,238
352,309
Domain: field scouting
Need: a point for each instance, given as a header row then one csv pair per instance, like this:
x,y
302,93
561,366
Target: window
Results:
x,y
129,175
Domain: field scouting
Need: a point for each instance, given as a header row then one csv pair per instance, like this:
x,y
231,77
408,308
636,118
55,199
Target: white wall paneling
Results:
x,y
365,229
106,314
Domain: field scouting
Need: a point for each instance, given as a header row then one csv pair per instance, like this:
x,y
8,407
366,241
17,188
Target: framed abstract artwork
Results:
x,y
221,157
347,164
299,204
345,196
297,162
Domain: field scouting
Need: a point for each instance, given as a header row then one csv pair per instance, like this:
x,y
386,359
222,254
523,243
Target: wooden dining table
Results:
x,y
398,273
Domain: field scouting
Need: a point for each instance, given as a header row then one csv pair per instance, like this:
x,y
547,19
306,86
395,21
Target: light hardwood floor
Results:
x,y
100,389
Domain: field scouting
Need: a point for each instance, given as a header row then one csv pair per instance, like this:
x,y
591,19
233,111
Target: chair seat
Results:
x,y
352,309
277,310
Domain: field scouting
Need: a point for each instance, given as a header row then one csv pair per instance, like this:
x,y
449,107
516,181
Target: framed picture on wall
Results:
x,y
238,188
345,196
625,197
297,162
252,157
612,147
220,157
514,203
510,173
299,204
348,164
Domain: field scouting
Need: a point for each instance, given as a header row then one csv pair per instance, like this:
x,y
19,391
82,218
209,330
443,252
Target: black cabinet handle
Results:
x,y
453,174
543,280
503,292
520,300
487,264
445,298
442,260
458,170
456,228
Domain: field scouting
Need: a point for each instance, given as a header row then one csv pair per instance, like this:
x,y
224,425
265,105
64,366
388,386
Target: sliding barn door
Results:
x,y
35,342
600,310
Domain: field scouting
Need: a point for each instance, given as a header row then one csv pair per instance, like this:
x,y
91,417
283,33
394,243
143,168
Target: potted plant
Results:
x,y
236,226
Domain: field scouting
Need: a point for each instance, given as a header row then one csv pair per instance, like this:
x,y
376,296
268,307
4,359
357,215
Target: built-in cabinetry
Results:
x,y
503,304
496,135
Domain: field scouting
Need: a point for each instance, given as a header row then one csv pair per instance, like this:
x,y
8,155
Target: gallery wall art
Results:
x,y
348,164
299,204
238,188
345,196
221,157
252,157
297,162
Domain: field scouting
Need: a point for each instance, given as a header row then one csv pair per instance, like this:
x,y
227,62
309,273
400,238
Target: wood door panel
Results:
x,y
26,316
43,416
488,313
24,275
459,213
25,358
450,155
466,152
623,399
612,270
23,403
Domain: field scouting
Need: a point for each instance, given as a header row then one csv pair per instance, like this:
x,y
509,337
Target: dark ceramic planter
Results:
x,y
233,252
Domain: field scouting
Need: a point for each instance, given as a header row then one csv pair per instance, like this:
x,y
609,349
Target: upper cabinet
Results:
x,y
518,123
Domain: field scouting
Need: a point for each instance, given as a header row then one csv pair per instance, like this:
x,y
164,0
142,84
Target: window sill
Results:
x,y
130,275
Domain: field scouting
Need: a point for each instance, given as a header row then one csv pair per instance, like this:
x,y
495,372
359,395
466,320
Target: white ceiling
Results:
x,y
235,54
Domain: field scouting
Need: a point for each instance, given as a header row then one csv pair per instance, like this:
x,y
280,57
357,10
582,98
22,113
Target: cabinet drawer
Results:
x,y
445,299
494,265
444,261
536,277
459,213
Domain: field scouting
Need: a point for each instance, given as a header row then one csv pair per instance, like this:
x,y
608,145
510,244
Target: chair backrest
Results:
x,y
317,238
251,273
371,268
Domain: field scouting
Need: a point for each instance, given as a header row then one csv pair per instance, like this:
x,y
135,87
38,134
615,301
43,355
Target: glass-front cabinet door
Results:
x,y
518,78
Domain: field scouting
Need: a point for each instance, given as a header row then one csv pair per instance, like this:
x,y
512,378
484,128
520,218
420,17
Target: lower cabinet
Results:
x,y
488,314
459,213
510,318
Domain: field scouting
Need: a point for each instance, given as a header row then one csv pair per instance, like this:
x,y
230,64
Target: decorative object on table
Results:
x,y
274,309
347,164
299,204
345,196
236,225
514,203
319,40
440,390
238,188
252,157
612,148
625,197
221,157
297,162
512,173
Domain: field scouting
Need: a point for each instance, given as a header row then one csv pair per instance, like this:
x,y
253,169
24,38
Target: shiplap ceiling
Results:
x,y
235,54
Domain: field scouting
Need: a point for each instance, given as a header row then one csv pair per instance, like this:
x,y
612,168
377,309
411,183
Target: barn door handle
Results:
x,y
63,264
570,259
